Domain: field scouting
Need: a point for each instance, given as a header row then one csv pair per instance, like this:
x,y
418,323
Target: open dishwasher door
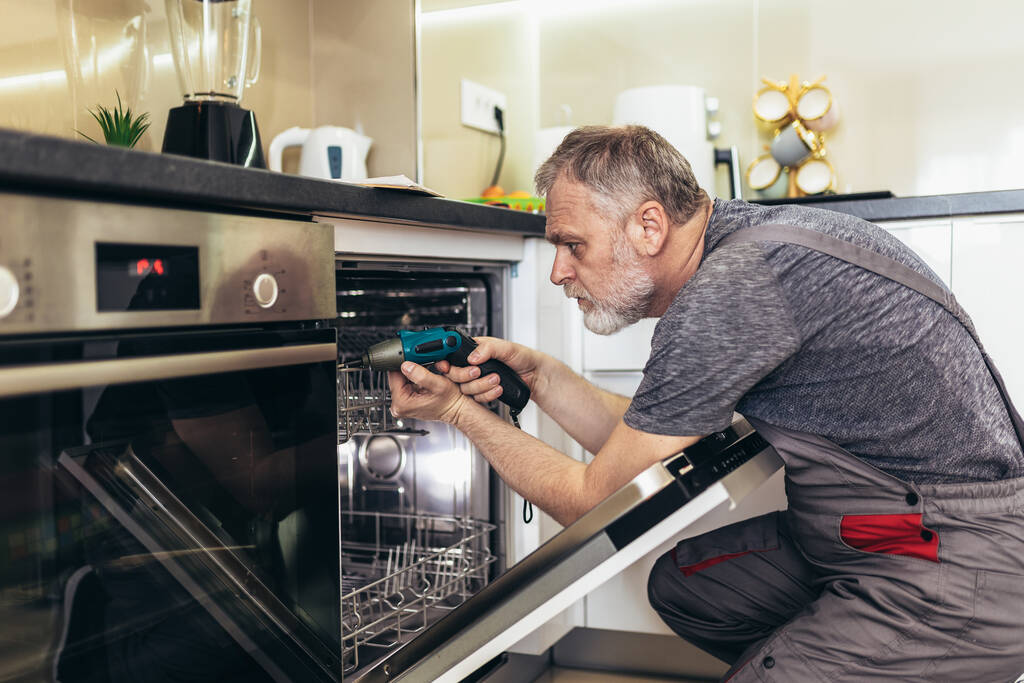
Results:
x,y
655,506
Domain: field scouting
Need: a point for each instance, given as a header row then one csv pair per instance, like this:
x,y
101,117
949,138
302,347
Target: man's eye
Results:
x,y
571,246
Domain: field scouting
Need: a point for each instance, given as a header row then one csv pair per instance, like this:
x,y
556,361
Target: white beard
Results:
x,y
624,305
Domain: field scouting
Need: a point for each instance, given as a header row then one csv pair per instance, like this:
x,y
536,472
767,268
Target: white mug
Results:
x,y
816,108
771,106
816,176
766,177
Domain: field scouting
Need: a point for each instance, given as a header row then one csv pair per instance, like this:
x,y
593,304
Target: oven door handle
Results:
x,y
44,378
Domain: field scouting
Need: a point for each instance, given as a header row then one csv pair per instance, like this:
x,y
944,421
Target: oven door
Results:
x,y
654,507
169,507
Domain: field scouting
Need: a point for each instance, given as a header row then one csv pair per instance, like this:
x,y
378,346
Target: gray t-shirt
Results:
x,y
808,342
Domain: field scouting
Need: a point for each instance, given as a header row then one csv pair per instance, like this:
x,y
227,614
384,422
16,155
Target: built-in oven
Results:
x,y
168,431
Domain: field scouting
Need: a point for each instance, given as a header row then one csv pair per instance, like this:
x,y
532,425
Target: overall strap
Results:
x,y
887,267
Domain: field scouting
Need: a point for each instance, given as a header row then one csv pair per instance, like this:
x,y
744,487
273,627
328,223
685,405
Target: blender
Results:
x,y
211,42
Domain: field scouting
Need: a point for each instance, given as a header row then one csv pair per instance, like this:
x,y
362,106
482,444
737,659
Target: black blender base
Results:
x,y
218,131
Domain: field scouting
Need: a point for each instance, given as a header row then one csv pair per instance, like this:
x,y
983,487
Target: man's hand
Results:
x,y
523,360
419,393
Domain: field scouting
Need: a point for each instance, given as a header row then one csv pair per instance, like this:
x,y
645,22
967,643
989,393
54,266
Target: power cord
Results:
x,y
527,505
499,118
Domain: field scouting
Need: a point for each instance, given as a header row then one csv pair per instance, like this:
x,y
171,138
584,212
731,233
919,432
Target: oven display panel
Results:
x,y
146,277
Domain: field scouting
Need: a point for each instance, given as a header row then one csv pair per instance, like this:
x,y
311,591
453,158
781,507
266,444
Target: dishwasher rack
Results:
x,y
403,573
364,402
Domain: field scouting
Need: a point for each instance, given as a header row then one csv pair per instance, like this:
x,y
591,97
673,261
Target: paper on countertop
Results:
x,y
396,182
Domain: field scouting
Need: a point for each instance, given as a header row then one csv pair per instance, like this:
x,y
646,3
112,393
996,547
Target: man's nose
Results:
x,y
561,272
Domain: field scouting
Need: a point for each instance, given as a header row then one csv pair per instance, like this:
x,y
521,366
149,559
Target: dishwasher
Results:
x,y
420,509
427,591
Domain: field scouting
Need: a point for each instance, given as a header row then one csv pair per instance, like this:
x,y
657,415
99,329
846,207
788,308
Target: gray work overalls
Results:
x,y
865,577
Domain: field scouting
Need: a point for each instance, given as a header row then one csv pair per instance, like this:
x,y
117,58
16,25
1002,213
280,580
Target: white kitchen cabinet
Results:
x,y
542,326
930,238
987,279
626,350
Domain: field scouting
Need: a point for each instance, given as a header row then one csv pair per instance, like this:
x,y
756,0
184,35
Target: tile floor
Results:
x,y
560,675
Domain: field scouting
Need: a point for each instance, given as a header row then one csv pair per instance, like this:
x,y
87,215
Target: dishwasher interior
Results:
x,y
421,510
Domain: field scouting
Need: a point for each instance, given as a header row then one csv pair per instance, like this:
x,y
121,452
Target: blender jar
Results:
x,y
211,42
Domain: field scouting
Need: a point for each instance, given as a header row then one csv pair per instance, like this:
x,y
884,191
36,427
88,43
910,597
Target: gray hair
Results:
x,y
625,166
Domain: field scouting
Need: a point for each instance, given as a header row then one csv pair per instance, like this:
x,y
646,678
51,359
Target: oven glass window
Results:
x,y
179,529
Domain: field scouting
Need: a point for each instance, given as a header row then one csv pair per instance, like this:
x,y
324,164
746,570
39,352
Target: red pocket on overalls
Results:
x,y
890,535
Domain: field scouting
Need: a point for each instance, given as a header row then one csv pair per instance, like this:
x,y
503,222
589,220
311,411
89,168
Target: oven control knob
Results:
x,y
9,292
265,290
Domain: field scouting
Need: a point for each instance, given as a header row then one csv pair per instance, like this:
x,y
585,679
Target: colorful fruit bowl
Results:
x,y
512,201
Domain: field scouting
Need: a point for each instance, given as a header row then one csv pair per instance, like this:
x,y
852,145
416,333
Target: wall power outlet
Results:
x,y
478,103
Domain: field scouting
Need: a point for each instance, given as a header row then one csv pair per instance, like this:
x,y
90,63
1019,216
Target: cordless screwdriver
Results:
x,y
447,343
443,343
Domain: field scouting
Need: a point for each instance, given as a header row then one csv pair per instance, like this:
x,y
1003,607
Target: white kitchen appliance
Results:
x,y
330,152
681,114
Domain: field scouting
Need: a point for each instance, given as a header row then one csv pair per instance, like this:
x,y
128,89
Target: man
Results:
x,y
901,556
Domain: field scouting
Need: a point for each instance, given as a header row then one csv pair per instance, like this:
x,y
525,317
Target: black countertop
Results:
x,y
53,165
935,206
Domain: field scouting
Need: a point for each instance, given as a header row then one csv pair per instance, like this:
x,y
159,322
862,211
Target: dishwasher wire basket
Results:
x,y
364,402
404,573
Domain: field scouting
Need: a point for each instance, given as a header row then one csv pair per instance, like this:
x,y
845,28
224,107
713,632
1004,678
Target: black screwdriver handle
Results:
x,y
515,394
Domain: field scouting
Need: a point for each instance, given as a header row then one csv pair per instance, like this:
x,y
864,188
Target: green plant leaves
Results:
x,y
119,125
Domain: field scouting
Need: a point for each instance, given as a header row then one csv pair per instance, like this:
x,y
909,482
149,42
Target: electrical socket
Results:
x,y
478,103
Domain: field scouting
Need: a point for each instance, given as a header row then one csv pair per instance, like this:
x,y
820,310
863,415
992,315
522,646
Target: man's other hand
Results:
x,y
523,360
419,393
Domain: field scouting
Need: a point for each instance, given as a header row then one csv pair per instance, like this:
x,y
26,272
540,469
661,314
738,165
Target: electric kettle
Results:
x,y
328,152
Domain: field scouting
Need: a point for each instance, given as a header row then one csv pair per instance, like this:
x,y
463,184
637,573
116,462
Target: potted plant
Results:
x,y
120,126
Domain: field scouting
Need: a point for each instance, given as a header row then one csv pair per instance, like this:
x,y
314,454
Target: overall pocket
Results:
x,y
899,534
990,645
758,534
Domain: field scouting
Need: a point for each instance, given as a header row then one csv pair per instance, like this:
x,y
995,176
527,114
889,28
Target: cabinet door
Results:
x,y
988,280
930,238
626,350
537,318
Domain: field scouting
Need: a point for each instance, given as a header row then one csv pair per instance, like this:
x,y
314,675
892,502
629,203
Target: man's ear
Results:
x,y
653,226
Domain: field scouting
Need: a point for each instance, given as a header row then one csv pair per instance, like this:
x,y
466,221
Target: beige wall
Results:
x,y
929,91
496,48
324,62
364,76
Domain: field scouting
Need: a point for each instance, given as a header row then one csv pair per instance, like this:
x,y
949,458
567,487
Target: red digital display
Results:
x,y
145,266
146,277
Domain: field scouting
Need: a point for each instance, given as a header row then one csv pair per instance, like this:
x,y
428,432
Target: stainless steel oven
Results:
x,y
168,428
